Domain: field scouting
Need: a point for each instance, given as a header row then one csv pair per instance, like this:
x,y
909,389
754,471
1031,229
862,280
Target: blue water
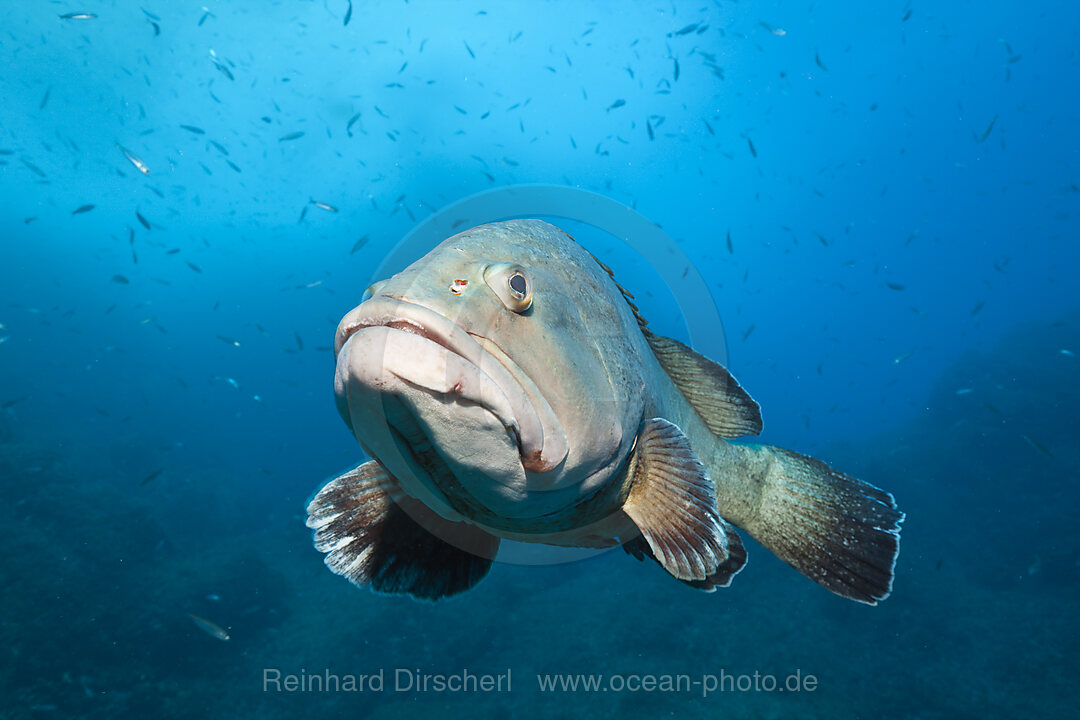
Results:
x,y
899,297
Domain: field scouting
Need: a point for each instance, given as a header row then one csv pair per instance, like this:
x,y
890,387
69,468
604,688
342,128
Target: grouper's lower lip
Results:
x,y
374,353
386,336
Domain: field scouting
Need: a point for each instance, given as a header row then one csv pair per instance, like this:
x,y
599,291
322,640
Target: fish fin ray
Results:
x,y
672,501
839,531
372,534
721,577
727,410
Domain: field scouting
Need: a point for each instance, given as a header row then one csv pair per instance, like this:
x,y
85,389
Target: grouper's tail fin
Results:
x,y
838,531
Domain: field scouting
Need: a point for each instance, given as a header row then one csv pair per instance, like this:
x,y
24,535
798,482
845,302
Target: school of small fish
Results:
x,y
147,152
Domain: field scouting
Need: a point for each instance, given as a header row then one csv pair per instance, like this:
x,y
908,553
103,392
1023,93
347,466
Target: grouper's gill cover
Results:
x,y
569,368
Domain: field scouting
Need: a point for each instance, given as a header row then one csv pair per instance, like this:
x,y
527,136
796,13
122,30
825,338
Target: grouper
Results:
x,y
507,388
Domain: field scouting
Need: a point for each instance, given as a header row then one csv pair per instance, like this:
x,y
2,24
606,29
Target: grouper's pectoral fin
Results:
x,y
372,534
640,549
673,502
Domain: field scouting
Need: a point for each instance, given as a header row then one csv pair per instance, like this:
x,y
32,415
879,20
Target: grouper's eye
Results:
x,y
512,284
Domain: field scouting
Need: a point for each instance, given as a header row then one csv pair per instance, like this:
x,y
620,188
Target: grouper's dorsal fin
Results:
x,y
627,295
726,409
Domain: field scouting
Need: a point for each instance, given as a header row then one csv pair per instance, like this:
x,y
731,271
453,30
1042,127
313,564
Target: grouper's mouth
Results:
x,y
428,350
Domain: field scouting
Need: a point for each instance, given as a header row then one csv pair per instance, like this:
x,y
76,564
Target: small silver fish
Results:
x,y
210,628
1037,445
352,121
901,358
989,129
777,31
359,244
134,160
78,16
146,480
324,206
220,65
686,30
